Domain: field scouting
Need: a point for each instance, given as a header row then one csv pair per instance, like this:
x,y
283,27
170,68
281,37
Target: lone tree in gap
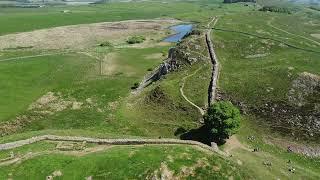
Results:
x,y
222,120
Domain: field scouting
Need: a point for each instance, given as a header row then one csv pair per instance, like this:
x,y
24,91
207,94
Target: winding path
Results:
x,y
292,34
215,70
185,97
32,56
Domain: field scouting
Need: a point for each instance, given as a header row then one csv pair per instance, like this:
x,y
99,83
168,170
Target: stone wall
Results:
x,y
35,139
215,69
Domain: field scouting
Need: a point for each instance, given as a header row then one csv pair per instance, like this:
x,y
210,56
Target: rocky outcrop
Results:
x,y
177,57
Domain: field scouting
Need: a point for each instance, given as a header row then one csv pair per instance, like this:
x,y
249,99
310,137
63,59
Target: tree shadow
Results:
x,y
202,134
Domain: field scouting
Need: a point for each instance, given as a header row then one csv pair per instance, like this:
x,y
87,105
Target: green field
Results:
x,y
124,162
88,92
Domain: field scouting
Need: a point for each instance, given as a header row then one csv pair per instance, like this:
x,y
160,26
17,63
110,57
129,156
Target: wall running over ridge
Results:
x,y
215,69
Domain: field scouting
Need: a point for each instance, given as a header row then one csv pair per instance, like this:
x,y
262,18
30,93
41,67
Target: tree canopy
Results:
x,y
223,119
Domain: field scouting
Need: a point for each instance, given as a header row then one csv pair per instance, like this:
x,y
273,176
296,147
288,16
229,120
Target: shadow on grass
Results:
x,y
201,134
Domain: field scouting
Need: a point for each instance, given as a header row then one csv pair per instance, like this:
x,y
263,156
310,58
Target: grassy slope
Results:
x,y
280,159
27,19
120,163
248,80
137,120
78,82
25,80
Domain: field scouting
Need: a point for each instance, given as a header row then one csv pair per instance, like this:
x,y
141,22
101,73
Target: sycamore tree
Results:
x,y
222,120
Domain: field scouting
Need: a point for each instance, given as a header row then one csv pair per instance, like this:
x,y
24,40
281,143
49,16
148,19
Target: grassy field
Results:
x,y
122,163
27,19
270,161
261,60
261,55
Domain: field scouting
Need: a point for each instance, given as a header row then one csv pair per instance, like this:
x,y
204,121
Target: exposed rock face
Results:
x,y
176,58
235,1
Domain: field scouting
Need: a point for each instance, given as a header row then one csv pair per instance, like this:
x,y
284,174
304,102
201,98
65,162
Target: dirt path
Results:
x,y
292,34
185,97
233,143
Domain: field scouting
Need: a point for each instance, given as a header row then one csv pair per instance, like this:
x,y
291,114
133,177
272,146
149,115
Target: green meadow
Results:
x,y
88,92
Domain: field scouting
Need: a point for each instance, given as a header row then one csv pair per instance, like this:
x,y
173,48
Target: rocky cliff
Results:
x,y
177,57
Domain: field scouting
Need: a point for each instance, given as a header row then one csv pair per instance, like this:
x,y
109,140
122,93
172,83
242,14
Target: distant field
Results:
x,y
27,19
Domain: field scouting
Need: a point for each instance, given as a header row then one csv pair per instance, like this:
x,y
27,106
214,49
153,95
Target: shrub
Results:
x,y
275,9
223,120
135,86
135,39
106,44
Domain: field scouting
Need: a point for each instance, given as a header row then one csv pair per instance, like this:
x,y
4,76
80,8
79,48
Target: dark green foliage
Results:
x,y
135,39
223,120
275,9
315,8
135,86
106,44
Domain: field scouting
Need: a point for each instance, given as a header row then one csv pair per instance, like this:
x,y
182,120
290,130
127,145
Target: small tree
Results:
x,y
222,120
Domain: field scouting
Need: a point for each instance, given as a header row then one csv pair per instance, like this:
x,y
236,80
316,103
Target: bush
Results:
x,y
106,44
223,120
135,86
135,39
275,9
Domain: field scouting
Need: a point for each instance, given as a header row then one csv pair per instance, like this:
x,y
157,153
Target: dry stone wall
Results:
x,y
35,139
215,69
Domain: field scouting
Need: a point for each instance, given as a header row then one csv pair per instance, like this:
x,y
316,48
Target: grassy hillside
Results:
x,y
261,61
87,92
141,162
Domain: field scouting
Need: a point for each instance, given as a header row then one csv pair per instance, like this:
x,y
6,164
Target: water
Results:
x,y
181,31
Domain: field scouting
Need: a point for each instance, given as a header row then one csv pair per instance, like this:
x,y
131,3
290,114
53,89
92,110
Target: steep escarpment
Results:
x,y
178,56
298,116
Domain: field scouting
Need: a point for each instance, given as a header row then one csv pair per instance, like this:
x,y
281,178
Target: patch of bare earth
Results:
x,y
84,35
51,102
164,172
233,143
316,36
47,105
109,64
87,151
155,56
